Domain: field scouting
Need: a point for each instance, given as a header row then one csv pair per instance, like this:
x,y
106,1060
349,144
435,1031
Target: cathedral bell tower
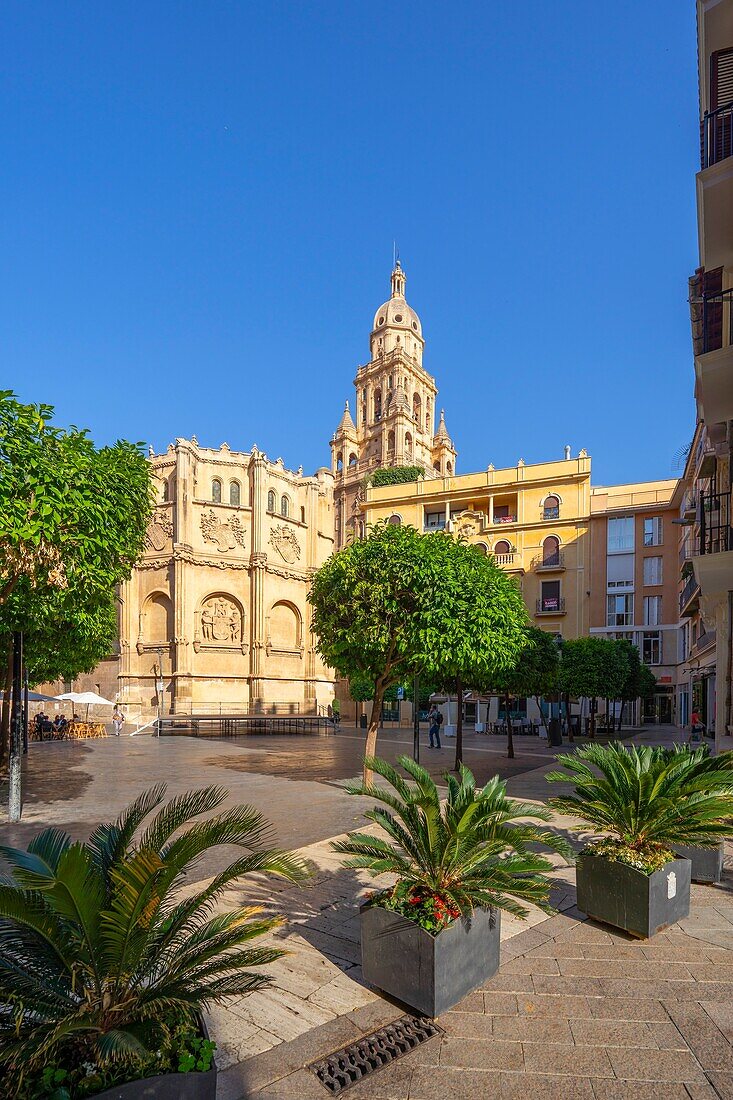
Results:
x,y
394,412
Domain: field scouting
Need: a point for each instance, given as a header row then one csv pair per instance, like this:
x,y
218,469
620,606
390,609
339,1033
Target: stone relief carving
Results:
x,y
226,535
285,542
160,530
219,625
468,524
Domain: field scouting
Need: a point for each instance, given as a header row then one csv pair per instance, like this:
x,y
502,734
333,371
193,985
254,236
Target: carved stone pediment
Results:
x,y
469,523
283,539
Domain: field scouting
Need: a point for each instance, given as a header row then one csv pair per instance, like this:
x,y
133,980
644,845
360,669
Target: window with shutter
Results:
x,y
717,126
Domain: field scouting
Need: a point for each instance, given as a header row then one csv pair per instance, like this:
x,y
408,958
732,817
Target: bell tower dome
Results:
x,y
394,413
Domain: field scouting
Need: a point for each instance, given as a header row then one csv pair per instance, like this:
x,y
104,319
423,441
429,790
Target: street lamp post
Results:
x,y
159,689
416,718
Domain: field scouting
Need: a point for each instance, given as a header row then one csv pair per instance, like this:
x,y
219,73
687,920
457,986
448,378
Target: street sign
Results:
x,y
400,693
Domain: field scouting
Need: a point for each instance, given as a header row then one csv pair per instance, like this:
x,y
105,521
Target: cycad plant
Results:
x,y
103,956
472,850
647,800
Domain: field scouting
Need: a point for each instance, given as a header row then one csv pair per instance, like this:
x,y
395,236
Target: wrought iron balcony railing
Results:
x,y
717,321
688,592
716,532
551,605
549,561
717,135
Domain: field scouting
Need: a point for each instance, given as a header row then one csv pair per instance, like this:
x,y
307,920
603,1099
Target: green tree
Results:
x,y
592,667
72,525
535,673
400,602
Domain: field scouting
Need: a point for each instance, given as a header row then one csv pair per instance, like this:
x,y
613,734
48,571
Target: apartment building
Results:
x,y
706,507
633,589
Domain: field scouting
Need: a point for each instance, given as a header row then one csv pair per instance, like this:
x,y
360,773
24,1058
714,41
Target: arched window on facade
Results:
x,y
551,508
302,514
395,519
352,460
271,501
284,506
390,442
339,463
235,493
164,490
408,444
377,404
502,547
416,408
216,491
436,467
427,422
482,548
449,467
551,551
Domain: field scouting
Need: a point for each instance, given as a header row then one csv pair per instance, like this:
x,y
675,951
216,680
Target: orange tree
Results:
x,y
398,602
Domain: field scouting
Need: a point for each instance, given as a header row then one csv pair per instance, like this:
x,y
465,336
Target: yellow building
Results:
x,y
532,518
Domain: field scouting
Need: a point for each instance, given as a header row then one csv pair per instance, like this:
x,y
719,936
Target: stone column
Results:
x,y
257,573
311,539
491,509
180,651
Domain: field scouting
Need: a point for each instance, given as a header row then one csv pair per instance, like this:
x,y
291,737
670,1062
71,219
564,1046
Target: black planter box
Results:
x,y
617,894
707,863
167,1086
428,973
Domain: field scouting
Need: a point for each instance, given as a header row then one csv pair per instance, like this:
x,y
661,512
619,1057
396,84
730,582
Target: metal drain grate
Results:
x,y
352,1063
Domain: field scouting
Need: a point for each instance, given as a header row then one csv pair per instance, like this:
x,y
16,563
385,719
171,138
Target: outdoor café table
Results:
x,y
80,730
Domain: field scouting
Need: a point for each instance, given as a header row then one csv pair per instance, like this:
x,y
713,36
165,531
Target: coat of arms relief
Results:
x,y
283,539
226,535
219,625
159,532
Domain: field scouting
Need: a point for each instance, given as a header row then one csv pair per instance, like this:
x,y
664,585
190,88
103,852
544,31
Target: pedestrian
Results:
x,y
336,714
118,720
697,728
435,720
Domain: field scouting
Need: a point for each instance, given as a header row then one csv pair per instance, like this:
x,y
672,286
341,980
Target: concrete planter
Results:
x,y
621,896
167,1086
707,863
428,973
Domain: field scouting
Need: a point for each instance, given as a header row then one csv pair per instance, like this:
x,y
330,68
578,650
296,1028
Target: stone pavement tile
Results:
x,y
527,965
442,1083
527,1029
301,1085
509,983
539,1086
500,1004
611,951
569,986
702,1092
472,1025
341,995
712,971
664,990
264,1069
283,1013
558,949
638,1090
375,1015
723,1085
627,1033
474,1002
390,1083
627,1008
709,1044
556,1005
480,1054
426,1054
639,969
567,1060
722,1017
630,1064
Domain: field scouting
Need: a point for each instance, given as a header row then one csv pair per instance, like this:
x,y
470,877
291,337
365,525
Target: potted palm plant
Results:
x,y
644,805
434,935
107,963
707,862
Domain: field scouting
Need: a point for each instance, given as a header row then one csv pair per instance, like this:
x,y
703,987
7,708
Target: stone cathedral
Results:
x,y
218,601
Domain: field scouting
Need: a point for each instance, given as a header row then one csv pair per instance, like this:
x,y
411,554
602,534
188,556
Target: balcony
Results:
x,y
690,597
551,513
706,639
714,356
716,142
508,518
689,507
553,563
551,605
504,559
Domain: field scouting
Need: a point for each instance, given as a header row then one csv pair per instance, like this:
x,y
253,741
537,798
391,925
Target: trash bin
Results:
x,y
362,721
555,731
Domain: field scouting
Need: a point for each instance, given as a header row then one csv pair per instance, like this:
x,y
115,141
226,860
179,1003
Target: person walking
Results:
x,y
118,721
697,728
435,720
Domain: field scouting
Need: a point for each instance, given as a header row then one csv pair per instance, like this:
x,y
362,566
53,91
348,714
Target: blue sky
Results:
x,y
198,202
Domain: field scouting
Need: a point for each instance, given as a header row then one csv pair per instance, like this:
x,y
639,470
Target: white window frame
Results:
x,y
658,572
656,535
654,619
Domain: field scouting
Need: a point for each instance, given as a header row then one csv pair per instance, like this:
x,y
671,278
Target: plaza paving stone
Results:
x,y
577,1010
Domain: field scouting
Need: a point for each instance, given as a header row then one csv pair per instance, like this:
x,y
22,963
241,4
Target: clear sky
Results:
x,y
198,202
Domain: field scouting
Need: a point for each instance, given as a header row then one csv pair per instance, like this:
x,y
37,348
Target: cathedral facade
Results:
x,y
215,613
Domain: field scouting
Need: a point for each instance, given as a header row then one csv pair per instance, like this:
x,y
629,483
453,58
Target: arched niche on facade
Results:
x,y
284,629
219,623
155,629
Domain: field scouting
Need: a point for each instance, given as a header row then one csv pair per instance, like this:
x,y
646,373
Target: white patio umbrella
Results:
x,y
89,697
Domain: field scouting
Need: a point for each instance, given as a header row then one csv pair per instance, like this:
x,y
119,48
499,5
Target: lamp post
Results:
x,y
159,689
15,801
416,718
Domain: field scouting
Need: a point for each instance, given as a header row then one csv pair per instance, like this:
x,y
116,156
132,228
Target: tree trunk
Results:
x,y
509,730
543,720
459,725
621,714
370,746
593,706
570,717
7,683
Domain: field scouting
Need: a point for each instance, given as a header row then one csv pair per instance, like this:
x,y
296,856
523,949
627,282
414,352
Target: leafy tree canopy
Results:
x,y
395,475
593,667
